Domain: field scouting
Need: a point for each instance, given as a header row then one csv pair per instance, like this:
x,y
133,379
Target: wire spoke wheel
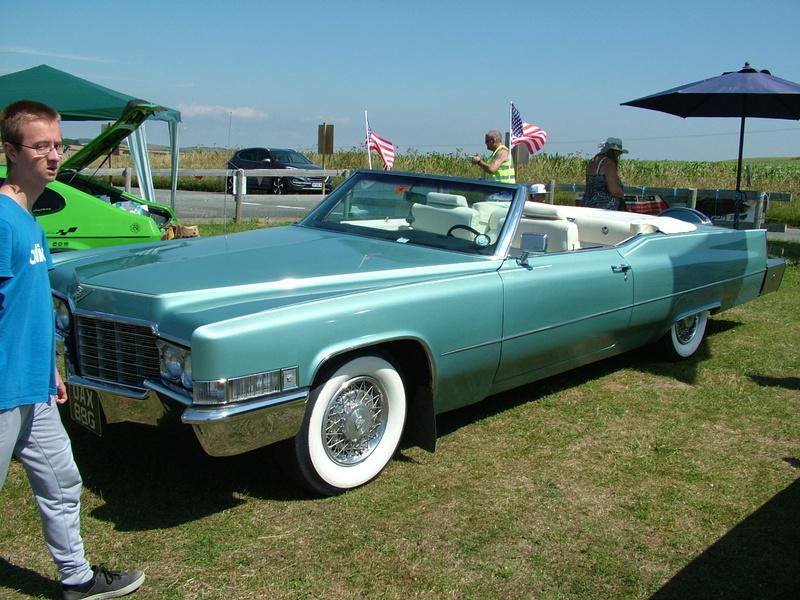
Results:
x,y
354,421
685,336
353,425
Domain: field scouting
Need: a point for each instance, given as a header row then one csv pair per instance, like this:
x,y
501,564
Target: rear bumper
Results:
x,y
773,276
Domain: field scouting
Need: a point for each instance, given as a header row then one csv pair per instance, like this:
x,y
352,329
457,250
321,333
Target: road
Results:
x,y
216,205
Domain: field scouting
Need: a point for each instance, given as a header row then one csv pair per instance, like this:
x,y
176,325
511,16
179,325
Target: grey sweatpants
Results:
x,y
35,434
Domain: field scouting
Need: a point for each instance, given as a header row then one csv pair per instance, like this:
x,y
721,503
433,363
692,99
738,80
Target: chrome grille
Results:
x,y
116,351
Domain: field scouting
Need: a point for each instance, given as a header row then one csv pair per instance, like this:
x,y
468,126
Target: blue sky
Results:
x,y
434,75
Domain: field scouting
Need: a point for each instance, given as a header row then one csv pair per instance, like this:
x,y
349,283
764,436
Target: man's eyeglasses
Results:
x,y
44,149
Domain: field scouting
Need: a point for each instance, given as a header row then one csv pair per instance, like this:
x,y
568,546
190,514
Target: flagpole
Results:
x,y
510,132
369,155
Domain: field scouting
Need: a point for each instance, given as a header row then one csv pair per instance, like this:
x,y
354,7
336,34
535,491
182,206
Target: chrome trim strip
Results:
x,y
129,320
169,393
105,387
601,314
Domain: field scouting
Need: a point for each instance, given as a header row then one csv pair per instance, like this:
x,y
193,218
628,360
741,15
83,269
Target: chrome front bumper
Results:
x,y
241,427
223,430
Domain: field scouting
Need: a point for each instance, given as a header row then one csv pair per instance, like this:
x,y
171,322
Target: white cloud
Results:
x,y
19,50
240,112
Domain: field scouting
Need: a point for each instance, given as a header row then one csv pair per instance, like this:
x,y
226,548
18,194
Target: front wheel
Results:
x,y
353,424
685,336
278,186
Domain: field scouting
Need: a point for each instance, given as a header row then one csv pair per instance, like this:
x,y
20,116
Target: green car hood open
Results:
x,y
135,114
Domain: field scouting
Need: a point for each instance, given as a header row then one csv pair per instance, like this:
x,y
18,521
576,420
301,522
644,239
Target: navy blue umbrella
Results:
x,y
742,94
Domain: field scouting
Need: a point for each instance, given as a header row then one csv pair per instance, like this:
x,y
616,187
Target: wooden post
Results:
x,y
760,207
693,198
551,195
239,195
127,174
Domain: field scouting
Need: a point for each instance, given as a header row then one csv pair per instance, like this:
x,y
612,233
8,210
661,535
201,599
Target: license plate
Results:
x,y
84,407
316,185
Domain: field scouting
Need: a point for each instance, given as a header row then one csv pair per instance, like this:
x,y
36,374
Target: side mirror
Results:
x,y
531,242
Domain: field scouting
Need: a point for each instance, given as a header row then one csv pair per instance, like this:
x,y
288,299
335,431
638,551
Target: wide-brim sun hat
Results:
x,y
537,188
612,143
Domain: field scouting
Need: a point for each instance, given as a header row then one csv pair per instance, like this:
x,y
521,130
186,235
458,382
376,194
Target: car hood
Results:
x,y
184,284
135,114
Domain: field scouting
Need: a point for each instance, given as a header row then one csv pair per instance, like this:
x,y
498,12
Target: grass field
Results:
x,y
632,478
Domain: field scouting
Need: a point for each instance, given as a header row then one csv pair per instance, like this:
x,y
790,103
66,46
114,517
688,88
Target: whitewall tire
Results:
x,y
353,425
686,335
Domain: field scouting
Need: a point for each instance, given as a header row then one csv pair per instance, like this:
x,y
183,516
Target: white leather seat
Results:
x,y
562,235
442,212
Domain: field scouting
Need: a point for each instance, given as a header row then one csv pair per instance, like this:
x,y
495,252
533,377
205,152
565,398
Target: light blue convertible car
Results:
x,y
400,296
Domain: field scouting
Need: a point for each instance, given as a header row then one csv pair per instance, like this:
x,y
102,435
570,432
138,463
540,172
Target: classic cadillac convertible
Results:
x,y
400,296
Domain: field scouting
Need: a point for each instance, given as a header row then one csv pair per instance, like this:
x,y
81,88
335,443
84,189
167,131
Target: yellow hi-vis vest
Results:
x,y
505,174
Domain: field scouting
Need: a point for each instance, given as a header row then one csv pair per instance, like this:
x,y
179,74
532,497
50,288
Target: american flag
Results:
x,y
525,133
383,147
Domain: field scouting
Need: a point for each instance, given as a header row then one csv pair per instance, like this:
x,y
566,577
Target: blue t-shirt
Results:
x,y
27,329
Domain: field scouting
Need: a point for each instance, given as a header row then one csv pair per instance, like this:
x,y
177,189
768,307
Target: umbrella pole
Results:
x,y
738,196
739,164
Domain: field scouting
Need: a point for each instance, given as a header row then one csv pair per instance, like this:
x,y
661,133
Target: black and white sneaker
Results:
x,y
105,584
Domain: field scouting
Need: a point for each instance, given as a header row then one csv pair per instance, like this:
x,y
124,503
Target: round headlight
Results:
x,y
186,378
62,316
172,363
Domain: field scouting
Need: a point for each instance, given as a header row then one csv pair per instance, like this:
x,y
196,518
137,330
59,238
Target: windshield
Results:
x,y
446,213
290,156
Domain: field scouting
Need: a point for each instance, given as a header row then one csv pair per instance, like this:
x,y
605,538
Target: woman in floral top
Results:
x,y
603,185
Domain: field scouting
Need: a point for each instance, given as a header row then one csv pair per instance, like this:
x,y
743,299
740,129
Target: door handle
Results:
x,y
623,268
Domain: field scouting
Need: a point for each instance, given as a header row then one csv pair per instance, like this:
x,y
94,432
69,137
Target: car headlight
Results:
x,y
175,364
62,315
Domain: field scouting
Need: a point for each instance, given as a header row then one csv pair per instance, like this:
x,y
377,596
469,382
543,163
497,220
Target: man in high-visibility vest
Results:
x,y
499,167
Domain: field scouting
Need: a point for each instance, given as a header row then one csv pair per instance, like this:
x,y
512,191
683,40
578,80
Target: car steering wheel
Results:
x,y
481,239
467,227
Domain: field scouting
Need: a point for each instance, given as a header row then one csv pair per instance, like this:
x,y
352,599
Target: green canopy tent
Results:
x,y
78,99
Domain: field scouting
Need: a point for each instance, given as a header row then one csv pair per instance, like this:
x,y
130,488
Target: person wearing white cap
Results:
x,y
603,185
538,192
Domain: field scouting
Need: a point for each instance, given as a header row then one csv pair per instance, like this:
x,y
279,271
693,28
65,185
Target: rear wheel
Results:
x,y
353,424
685,336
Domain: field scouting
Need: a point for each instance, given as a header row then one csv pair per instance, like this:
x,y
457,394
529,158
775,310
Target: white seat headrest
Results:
x,y
446,200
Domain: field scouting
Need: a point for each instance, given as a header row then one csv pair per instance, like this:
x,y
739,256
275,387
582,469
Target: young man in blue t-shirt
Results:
x,y
30,385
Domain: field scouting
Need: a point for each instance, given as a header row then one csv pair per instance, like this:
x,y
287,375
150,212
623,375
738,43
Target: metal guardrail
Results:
x,y
239,174
673,196
129,171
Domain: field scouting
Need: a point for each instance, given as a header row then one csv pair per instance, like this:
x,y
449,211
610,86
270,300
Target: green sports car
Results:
x,y
399,297
78,211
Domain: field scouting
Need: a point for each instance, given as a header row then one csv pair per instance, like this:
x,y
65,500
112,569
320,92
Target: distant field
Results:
x,y
776,174
770,174
788,160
